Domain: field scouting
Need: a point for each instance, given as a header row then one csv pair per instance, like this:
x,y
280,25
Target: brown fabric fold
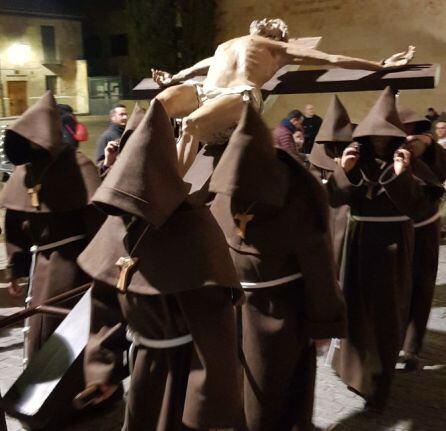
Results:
x,y
68,184
382,120
132,123
410,117
319,158
249,169
336,126
144,180
40,125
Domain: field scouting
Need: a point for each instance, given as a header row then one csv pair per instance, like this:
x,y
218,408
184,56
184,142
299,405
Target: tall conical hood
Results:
x,y
336,126
144,180
249,168
319,158
40,125
414,121
382,120
132,123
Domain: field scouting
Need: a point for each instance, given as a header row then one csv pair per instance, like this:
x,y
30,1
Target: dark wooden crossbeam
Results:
x,y
413,77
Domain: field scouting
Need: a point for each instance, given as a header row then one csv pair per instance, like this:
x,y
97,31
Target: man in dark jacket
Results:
x,y
283,133
311,125
114,131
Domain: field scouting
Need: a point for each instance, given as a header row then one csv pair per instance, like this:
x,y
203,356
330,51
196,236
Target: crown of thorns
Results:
x,y
269,27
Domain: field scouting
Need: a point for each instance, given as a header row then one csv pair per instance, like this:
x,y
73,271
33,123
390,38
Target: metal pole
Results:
x,y
2,99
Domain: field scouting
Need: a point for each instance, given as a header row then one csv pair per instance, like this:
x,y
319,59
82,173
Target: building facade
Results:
x,y
40,49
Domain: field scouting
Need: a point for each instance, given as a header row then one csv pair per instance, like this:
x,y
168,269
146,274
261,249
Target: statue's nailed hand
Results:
x,y
163,79
401,58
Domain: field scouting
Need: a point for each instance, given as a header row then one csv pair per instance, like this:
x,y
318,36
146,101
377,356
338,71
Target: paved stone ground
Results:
x,y
418,402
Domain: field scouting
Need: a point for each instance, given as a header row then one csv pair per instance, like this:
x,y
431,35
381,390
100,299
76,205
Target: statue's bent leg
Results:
x,y
214,117
179,100
205,123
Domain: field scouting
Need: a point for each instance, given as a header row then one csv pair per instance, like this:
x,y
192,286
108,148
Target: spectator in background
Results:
x,y
311,124
440,132
283,133
68,125
432,115
114,131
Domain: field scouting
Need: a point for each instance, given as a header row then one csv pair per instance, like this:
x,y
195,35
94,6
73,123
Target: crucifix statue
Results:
x,y
34,194
237,72
125,265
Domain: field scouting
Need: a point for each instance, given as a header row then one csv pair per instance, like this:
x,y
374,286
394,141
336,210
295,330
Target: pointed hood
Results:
x,y
40,125
336,126
132,123
413,122
382,120
144,180
249,169
319,158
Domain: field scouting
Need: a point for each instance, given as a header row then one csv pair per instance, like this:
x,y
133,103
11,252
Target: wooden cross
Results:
x,y
410,77
125,264
34,193
243,219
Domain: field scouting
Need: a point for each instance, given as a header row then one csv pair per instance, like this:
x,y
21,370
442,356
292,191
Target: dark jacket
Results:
x,y
311,128
112,133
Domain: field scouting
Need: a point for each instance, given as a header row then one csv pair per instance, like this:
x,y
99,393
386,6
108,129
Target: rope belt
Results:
x,y
35,249
430,220
139,340
272,283
384,219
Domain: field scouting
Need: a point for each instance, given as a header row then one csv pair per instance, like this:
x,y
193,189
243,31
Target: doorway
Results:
x,y
18,100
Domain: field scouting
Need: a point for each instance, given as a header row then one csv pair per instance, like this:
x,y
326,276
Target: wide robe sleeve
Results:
x,y
435,158
18,245
342,187
325,310
409,194
105,350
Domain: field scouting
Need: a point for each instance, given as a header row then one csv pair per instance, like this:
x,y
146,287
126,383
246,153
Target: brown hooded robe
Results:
x,y
288,234
336,128
67,181
376,279
427,241
183,283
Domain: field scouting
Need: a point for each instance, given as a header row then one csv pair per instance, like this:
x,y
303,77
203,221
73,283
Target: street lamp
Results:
x,y
17,54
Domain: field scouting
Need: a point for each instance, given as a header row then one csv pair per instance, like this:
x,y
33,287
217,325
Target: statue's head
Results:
x,y
275,29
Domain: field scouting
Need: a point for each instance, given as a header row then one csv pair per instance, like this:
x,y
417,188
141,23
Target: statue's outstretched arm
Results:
x,y
314,57
165,78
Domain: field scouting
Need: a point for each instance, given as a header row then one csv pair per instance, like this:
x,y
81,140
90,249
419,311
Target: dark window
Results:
x,y
93,47
48,42
118,45
51,83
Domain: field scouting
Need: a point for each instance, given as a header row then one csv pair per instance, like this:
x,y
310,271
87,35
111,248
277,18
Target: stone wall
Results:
x,y
372,29
72,74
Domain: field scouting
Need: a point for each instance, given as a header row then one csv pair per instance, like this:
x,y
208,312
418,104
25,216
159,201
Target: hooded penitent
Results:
x,y
334,136
382,120
182,281
151,217
249,169
132,123
335,133
414,123
48,218
45,164
145,180
274,217
378,257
